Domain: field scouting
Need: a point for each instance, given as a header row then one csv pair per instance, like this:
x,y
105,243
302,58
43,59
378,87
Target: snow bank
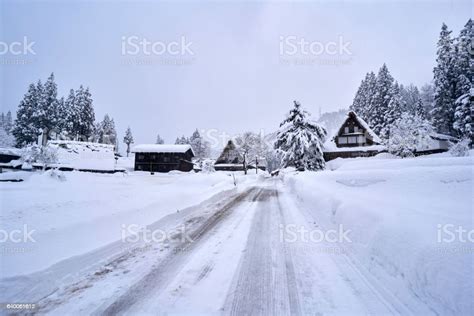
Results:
x,y
72,213
394,207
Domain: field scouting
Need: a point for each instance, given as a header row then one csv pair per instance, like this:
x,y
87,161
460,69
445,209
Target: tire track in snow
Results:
x,y
157,279
265,283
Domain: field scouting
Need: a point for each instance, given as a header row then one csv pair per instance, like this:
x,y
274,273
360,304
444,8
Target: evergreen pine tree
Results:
x,y
2,120
300,141
8,123
47,112
71,115
128,139
85,112
394,111
25,131
463,120
383,94
159,140
442,114
107,133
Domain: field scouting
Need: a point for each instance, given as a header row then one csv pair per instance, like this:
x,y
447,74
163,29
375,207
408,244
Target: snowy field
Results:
x,y
237,262
84,211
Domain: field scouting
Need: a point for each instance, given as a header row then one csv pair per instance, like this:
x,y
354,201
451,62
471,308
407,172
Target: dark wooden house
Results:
x,y
353,139
163,158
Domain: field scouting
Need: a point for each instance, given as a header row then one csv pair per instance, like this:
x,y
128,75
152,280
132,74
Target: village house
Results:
x,y
353,139
231,159
163,158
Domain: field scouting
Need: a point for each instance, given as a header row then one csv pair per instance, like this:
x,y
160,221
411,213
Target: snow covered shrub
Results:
x,y
207,166
461,149
39,154
299,141
408,134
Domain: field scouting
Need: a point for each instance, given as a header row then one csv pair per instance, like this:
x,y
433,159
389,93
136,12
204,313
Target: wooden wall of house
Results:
x,y
163,162
349,154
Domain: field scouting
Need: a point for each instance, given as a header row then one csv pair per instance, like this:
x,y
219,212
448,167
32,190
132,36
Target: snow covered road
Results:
x,y
241,261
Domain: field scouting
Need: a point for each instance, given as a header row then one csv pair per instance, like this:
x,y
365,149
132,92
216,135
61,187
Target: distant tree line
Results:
x,y
41,112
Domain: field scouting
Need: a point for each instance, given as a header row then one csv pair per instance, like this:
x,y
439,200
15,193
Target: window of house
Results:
x,y
361,140
166,159
352,140
346,129
342,140
356,129
141,157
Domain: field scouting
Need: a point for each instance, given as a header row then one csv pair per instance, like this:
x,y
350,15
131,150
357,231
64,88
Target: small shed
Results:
x,y
163,158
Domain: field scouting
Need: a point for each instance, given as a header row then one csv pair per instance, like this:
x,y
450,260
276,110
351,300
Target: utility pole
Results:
x,y
256,165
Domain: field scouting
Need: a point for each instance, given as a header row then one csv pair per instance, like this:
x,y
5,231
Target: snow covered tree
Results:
x,y
378,114
443,110
463,120
359,103
363,103
159,140
300,141
182,141
411,98
46,114
427,93
6,139
128,139
85,112
25,130
247,143
408,134
106,132
464,61
461,148
200,147
394,110
70,115
39,154
8,122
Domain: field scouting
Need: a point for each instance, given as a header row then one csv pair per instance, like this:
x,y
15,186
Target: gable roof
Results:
x,y
230,154
358,119
155,148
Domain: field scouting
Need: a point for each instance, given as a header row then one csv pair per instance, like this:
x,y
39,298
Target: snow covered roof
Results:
x,y
84,155
155,148
10,151
364,125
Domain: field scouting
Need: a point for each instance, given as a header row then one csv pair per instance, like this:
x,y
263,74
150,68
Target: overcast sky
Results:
x,y
236,70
